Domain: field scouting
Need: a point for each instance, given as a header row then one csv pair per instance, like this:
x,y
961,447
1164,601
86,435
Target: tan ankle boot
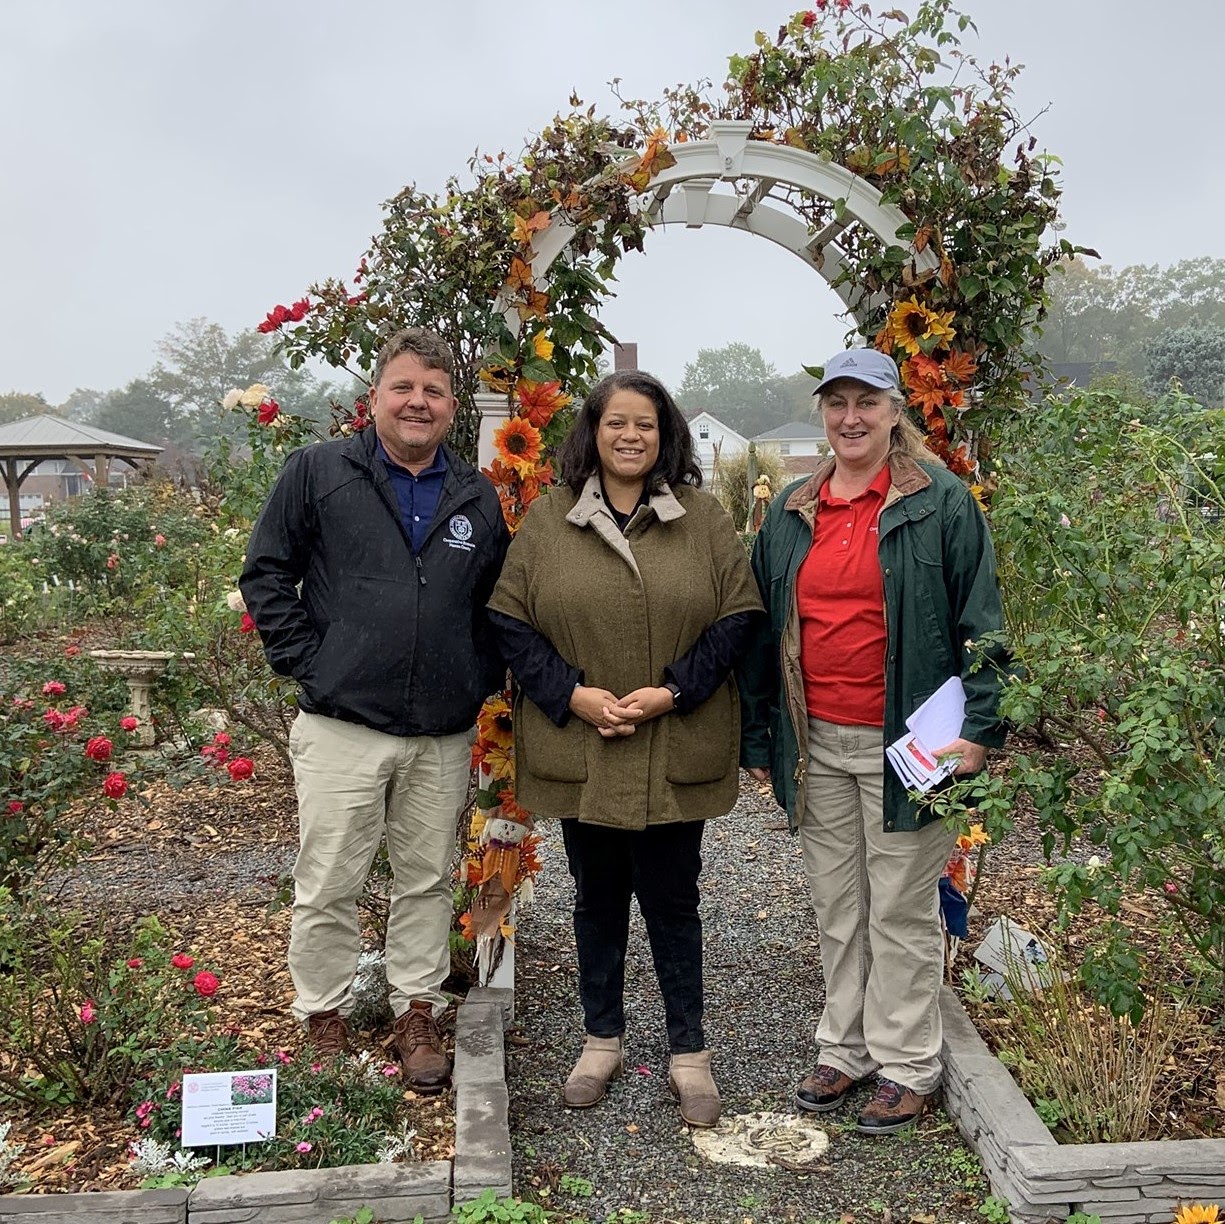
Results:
x,y
599,1063
691,1083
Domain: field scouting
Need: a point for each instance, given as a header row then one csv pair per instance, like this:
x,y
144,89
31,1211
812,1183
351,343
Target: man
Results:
x,y
367,576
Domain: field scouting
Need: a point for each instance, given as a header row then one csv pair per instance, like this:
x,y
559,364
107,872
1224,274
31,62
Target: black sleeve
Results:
x,y
708,662
277,557
492,662
542,673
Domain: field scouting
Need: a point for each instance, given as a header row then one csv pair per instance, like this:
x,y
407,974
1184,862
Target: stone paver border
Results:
x,y
397,1193
1123,1183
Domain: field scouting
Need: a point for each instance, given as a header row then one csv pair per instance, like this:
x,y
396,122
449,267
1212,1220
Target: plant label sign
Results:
x,y
223,1107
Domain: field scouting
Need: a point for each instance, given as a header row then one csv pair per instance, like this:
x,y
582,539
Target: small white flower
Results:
x,y
1064,521
254,395
233,397
235,602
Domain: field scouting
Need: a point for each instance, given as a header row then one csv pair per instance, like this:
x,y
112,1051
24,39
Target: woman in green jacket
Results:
x,y
625,598
879,580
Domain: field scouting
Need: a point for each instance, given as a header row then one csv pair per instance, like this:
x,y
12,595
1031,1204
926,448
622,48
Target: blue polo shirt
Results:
x,y
417,496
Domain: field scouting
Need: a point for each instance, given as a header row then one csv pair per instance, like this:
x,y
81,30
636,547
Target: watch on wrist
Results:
x,y
675,690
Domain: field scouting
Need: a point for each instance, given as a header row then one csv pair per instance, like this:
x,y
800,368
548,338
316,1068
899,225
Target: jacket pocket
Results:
x,y
703,746
550,752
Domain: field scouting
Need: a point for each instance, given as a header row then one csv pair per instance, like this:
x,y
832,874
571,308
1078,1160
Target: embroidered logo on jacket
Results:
x,y
460,528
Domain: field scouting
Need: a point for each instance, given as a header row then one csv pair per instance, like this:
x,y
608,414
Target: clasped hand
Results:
x,y
611,715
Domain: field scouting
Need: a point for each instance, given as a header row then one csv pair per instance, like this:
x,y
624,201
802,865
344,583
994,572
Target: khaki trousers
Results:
x,y
354,785
877,904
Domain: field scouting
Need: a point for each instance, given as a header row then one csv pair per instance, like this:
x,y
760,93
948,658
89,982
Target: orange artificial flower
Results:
x,y
500,762
539,401
960,366
977,836
542,346
518,443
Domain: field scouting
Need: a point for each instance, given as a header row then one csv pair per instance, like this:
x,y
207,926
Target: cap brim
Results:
x,y
869,380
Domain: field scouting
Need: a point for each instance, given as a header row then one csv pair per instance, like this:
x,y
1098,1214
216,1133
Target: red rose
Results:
x,y
54,719
810,19
112,562
205,983
53,688
269,410
71,652
277,316
240,767
135,963
15,805
299,310
99,748
115,785
246,625
129,724
180,960
222,737
73,717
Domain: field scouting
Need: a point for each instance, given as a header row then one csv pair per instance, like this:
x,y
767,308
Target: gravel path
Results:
x,y
763,992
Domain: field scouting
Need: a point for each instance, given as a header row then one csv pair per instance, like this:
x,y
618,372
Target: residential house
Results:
x,y
801,445
710,438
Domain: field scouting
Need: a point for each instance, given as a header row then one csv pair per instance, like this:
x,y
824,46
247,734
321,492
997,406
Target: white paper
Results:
x,y
936,722
221,1107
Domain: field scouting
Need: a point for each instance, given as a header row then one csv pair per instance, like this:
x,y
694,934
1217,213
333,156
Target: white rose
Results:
x,y
233,397
235,602
254,395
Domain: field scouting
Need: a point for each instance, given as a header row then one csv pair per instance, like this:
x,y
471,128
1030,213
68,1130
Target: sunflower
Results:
x,y
916,329
518,444
1197,1213
542,346
493,724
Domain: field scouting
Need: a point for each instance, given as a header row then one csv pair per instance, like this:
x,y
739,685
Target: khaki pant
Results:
x,y
877,904
354,785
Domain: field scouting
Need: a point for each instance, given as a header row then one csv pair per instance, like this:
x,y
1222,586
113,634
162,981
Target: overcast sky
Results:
x,y
163,161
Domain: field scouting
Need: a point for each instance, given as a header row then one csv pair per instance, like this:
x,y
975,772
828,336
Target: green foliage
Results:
x,y
1108,524
1193,355
22,603
489,1208
363,1215
739,386
15,405
87,1010
580,1187
994,1210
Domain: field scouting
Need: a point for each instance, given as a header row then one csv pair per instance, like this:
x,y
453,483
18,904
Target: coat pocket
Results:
x,y
547,751
704,746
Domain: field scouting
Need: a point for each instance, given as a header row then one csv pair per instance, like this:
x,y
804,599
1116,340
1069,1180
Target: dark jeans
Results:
x,y
660,866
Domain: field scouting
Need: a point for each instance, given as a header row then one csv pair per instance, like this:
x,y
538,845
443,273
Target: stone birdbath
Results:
x,y
139,668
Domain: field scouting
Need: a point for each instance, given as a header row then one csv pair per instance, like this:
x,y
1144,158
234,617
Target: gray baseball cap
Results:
x,y
863,365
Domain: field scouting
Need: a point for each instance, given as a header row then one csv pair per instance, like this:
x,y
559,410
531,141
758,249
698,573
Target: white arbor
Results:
x,y
744,184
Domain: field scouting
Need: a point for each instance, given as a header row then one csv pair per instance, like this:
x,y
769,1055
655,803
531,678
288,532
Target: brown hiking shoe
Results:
x,y
893,1108
328,1033
824,1089
427,1069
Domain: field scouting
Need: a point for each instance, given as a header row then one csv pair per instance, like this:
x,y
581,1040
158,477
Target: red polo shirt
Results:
x,y
841,601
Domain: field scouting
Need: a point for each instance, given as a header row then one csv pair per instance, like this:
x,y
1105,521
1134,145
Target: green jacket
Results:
x,y
621,608
941,594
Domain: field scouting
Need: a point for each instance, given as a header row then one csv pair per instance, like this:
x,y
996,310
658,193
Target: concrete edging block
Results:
x,y
97,1207
1125,1183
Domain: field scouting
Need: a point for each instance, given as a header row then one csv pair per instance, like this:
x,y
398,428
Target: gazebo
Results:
x,y
35,439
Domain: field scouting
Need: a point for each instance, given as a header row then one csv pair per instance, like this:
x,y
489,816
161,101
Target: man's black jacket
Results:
x,y
373,634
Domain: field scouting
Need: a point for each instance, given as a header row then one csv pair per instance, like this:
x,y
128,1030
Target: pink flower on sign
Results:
x,y
305,1147
53,688
129,724
88,1013
180,960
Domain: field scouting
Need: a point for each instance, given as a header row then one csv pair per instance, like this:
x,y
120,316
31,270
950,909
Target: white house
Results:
x,y
798,438
710,438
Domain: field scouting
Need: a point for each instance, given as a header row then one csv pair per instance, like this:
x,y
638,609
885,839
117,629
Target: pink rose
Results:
x,y
135,962
99,748
180,960
240,768
15,806
205,983
87,1013
304,1147
159,540
112,562
53,688
129,724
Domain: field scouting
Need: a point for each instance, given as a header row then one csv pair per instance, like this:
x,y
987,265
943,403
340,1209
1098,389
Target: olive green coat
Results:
x,y
621,608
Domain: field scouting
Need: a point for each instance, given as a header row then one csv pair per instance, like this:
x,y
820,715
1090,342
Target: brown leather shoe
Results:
x,y
893,1108
427,1069
824,1089
328,1034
